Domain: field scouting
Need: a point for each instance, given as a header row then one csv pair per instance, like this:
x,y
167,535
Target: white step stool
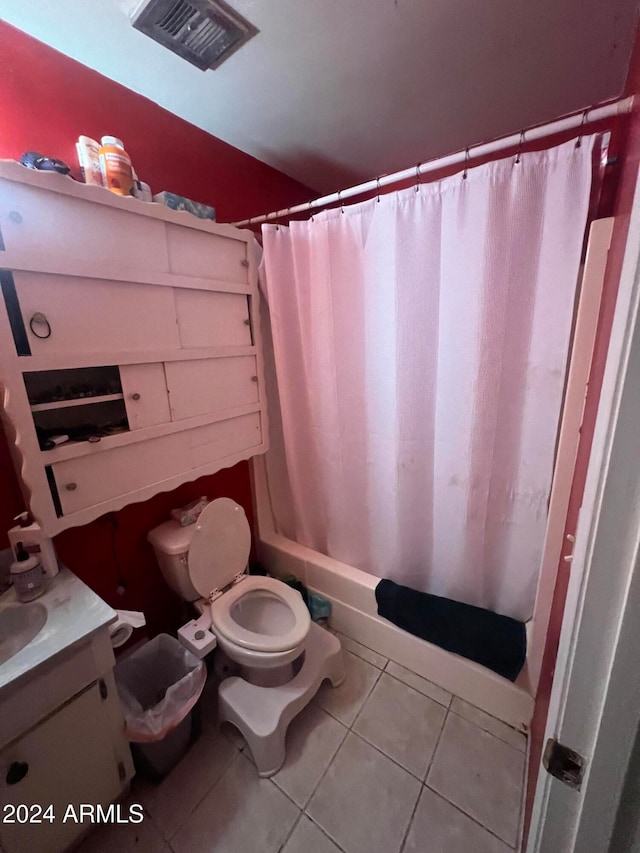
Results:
x,y
263,714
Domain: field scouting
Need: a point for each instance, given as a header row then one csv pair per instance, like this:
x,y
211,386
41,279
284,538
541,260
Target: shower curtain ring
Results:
x,y
340,200
582,124
517,160
466,163
310,209
378,188
418,181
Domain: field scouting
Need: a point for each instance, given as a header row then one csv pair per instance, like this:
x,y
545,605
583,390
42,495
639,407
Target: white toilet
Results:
x,y
260,623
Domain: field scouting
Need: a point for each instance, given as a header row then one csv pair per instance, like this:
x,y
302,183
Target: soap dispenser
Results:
x,y
34,543
27,575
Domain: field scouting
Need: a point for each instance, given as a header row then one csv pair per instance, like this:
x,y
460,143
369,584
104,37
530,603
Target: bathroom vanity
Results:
x,y
129,345
61,727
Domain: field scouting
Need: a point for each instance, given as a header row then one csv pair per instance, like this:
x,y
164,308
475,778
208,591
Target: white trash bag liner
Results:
x,y
158,685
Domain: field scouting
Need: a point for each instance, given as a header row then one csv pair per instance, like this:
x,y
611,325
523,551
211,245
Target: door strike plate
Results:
x,y
563,763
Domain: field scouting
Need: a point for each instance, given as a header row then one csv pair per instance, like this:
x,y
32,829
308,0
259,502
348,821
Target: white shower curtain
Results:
x,y
421,344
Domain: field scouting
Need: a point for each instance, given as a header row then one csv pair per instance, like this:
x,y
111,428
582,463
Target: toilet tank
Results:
x,y
171,542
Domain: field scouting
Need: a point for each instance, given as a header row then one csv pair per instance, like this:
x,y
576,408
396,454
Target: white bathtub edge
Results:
x,y
352,594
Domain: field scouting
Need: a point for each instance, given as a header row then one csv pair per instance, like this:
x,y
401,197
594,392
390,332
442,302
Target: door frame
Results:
x,y
595,701
580,357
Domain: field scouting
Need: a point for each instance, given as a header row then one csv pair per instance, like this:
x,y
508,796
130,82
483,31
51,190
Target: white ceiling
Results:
x,y
337,91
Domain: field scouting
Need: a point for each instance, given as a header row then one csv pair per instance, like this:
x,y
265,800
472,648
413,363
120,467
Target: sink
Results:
x,y
19,624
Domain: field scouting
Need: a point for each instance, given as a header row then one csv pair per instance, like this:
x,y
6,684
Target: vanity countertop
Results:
x,y
74,613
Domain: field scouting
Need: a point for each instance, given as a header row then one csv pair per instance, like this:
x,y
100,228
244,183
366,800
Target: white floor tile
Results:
x,y
364,801
439,827
345,701
241,814
312,740
481,775
401,722
307,838
422,685
171,803
489,724
125,838
356,648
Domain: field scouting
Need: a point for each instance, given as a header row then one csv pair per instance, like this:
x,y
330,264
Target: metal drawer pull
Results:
x,y
40,319
71,487
244,262
135,396
254,378
247,322
16,773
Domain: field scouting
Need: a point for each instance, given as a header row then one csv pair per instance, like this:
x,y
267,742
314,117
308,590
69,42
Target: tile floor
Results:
x,y
387,762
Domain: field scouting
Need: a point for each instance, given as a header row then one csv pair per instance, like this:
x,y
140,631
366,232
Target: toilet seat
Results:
x,y
259,602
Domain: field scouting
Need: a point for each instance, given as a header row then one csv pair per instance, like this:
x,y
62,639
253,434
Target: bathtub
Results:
x,y
354,613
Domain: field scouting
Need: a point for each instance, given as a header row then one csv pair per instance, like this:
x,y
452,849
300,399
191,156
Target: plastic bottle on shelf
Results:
x,y
115,165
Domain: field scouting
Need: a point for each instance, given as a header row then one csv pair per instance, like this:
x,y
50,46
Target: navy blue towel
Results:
x,y
497,642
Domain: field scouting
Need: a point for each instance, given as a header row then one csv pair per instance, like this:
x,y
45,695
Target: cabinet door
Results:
x,y
67,759
205,255
145,394
93,316
207,319
106,474
54,229
208,385
224,438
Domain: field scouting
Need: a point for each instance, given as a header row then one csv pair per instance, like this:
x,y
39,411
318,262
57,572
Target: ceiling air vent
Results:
x,y
204,32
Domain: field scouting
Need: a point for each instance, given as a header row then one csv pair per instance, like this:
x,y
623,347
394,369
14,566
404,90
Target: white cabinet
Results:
x,y
68,759
133,330
62,731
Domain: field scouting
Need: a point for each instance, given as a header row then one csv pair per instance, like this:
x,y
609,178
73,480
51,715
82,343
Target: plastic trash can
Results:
x,y
159,685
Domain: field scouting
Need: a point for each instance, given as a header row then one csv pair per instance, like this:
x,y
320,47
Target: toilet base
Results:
x,y
263,714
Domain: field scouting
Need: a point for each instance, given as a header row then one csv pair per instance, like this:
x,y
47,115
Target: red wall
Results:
x,y
625,144
46,101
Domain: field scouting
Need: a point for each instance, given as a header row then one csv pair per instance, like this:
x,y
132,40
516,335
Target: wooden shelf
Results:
x,y
65,361
74,449
79,401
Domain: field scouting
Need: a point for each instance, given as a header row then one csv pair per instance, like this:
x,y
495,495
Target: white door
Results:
x,y
595,703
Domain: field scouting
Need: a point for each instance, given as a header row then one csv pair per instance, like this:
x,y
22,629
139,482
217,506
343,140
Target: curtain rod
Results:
x,y
474,151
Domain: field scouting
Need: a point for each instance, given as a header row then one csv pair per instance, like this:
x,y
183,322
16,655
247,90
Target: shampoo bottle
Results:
x,y
88,151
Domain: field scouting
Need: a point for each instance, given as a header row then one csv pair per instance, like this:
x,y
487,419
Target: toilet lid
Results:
x,y
220,546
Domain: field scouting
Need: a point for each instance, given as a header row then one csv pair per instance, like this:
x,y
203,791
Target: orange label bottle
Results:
x,y
115,166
